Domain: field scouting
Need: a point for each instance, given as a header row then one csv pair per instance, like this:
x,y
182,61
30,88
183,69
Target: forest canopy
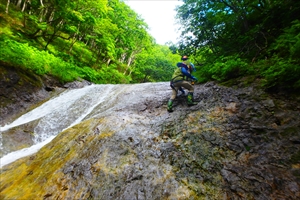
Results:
x,y
107,42
100,41
236,38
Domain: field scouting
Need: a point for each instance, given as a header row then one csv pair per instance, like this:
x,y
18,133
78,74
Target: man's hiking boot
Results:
x,y
170,106
190,100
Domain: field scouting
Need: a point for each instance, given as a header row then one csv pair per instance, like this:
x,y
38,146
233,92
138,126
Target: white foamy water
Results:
x,y
13,156
72,107
63,101
56,115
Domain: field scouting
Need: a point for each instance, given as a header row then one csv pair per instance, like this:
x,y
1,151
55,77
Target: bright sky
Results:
x,y
160,17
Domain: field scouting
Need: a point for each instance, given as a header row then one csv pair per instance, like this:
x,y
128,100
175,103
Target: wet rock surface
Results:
x,y
237,143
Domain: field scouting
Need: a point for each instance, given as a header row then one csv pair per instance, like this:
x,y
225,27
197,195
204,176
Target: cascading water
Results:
x,y
57,114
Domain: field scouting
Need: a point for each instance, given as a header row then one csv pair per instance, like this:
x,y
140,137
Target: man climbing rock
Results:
x,y
179,80
191,69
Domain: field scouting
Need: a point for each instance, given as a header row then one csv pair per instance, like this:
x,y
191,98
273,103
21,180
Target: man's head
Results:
x,y
184,58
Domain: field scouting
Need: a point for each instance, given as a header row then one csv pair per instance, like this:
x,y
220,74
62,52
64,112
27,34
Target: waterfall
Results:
x,y
56,115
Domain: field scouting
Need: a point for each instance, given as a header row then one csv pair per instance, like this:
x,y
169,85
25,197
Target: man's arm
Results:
x,y
186,73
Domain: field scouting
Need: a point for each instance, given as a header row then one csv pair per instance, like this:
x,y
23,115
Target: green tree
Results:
x,y
228,27
132,37
155,64
234,38
101,41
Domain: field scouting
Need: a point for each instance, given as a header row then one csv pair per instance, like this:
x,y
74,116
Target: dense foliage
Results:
x,y
100,41
107,42
234,38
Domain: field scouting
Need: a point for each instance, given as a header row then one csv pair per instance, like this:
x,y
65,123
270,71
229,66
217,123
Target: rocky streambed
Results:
x,y
237,143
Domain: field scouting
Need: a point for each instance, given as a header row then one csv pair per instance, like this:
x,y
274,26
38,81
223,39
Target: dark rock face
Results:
x,y
234,144
20,89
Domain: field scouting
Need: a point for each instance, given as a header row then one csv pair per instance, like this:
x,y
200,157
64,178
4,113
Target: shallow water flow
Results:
x,y
55,115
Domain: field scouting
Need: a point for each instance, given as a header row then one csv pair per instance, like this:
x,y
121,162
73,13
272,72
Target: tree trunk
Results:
x,y
128,63
24,5
109,60
51,16
53,36
74,39
24,20
131,59
19,3
7,5
43,14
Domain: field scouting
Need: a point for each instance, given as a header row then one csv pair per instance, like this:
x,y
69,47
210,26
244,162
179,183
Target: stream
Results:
x,y
60,113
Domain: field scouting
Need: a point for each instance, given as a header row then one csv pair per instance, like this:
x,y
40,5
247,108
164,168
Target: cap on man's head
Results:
x,y
184,58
